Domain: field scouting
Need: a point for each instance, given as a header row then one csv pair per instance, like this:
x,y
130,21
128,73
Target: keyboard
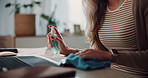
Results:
x,y
12,63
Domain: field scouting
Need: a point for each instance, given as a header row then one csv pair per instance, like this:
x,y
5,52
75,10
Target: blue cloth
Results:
x,y
86,64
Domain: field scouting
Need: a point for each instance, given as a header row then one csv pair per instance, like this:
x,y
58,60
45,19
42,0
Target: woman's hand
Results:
x,y
59,39
91,53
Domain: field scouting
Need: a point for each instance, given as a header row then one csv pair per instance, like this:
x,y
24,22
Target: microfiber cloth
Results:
x,y
86,64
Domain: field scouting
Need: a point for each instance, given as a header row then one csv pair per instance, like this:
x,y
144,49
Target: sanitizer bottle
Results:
x,y
55,48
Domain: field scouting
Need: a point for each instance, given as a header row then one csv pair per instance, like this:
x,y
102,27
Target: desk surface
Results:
x,y
100,73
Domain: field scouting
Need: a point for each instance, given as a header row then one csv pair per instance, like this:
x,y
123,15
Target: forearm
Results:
x,y
136,59
72,50
108,56
66,50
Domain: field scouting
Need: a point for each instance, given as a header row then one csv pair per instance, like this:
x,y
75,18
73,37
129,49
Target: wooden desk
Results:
x,y
100,73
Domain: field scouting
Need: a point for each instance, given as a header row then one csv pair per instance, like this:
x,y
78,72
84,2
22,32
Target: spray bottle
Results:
x,y
55,48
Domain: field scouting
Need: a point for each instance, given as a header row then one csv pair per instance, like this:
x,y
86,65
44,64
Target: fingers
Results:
x,y
59,39
64,53
57,32
83,55
82,52
86,53
48,40
56,38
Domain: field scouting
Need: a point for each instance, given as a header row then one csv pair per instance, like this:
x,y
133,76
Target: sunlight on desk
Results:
x,y
31,51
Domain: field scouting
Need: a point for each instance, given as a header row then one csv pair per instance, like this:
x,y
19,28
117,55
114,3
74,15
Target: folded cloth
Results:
x,y
86,64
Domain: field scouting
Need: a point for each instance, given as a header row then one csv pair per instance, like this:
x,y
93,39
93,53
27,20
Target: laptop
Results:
x,y
36,64
12,62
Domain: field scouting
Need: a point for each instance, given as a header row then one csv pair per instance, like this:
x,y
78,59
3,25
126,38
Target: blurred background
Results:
x,y
23,23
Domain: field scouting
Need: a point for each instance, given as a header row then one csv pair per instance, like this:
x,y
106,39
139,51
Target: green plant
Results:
x,y
17,6
50,19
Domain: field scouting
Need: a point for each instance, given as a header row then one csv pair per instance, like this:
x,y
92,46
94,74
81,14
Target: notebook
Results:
x,y
56,59
53,57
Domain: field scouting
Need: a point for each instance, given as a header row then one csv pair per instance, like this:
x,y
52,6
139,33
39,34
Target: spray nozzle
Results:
x,y
53,33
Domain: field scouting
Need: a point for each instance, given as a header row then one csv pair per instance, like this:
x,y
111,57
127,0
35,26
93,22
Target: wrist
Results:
x,y
71,50
78,51
114,55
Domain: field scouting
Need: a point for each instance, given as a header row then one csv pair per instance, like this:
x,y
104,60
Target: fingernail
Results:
x,y
52,37
49,46
49,26
55,38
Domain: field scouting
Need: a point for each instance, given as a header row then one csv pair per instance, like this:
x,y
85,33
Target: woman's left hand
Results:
x,y
92,53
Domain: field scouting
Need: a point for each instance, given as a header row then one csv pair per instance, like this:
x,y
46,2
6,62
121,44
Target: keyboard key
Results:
x,y
12,63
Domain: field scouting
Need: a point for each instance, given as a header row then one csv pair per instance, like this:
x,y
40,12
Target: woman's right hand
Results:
x,y
63,47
